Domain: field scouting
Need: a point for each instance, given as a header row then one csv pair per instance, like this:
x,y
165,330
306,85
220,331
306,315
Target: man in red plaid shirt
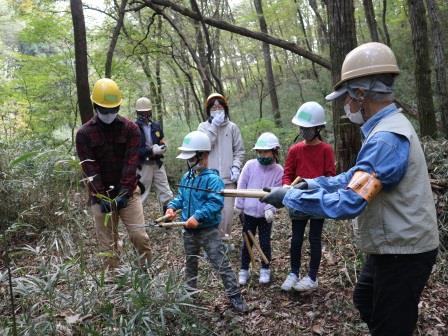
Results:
x,y
107,146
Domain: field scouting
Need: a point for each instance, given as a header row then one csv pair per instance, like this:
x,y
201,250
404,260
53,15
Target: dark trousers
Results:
x,y
264,236
388,291
315,238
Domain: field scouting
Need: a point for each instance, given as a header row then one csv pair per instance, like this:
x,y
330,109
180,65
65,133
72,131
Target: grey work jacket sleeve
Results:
x,y
238,147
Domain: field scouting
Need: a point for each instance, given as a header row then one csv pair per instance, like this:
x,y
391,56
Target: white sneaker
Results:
x,y
243,277
306,284
265,275
289,282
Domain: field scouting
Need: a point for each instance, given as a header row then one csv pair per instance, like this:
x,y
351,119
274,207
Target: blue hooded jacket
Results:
x,y
204,206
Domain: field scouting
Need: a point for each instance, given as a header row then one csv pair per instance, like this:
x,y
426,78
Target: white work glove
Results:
x,y
218,118
237,211
234,174
158,150
269,215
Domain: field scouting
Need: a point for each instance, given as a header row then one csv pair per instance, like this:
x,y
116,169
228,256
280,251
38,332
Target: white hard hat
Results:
x,y
143,104
267,141
310,114
194,142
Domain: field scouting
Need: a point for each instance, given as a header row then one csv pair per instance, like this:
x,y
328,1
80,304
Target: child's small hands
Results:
x,y
170,214
192,223
269,215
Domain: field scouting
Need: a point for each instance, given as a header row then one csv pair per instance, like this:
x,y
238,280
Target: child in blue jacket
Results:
x,y
202,212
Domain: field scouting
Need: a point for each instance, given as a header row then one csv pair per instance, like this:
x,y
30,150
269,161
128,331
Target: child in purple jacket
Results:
x,y
258,174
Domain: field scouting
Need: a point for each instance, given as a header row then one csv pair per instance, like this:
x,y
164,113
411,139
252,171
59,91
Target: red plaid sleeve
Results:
x,y
90,167
131,161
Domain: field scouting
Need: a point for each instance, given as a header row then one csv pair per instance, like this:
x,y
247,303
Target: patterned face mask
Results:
x,y
308,133
145,117
265,161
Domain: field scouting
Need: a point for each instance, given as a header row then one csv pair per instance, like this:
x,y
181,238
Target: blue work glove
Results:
x,y
105,206
121,201
275,196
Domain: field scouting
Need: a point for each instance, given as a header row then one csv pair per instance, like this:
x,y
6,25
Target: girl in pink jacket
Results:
x,y
259,173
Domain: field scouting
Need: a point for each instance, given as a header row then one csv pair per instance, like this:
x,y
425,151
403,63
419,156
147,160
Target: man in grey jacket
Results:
x,y
388,188
227,152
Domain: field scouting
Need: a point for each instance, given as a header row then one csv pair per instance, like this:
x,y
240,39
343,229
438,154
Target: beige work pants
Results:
x,y
151,174
225,227
107,233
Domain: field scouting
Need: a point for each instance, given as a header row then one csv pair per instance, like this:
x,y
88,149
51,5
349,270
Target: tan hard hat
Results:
x,y
143,104
215,95
371,58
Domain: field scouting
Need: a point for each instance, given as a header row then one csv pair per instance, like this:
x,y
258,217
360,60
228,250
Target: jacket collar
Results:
x,y
370,124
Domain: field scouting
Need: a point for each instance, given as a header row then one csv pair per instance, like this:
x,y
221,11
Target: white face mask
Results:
x,y
356,117
194,165
218,113
107,118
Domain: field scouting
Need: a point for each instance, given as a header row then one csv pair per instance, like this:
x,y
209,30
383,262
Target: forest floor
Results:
x,y
327,311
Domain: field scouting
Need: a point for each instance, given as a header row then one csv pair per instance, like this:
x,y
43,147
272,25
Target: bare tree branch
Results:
x,y
243,31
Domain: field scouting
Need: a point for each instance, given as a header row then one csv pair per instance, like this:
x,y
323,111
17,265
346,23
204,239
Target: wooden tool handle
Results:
x,y
296,180
165,217
248,193
257,246
172,224
249,248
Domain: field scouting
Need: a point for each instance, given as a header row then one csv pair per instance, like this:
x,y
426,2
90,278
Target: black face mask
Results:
x,y
308,133
145,117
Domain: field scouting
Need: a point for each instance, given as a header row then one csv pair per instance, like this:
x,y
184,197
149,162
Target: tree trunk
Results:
x,y
305,35
420,43
114,39
371,21
322,25
268,66
342,34
386,31
158,97
439,43
82,71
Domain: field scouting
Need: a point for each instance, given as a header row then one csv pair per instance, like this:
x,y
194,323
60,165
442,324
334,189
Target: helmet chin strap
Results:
x,y
192,166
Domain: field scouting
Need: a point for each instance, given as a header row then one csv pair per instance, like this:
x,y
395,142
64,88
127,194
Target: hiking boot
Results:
x,y
289,282
239,304
265,276
306,284
243,277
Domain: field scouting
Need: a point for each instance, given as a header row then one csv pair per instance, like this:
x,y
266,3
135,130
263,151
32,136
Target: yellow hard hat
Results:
x,y
143,104
215,95
106,93
371,58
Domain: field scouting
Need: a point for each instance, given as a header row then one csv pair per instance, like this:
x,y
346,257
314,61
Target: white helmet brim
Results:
x,y
185,155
